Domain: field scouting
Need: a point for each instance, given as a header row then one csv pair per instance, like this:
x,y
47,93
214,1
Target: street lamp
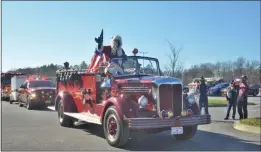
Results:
x,y
143,56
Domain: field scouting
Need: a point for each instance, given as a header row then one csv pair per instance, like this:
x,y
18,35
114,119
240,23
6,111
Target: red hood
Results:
x,y
144,79
42,88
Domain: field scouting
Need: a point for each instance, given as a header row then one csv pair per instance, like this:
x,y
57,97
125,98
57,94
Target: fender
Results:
x,y
68,101
124,107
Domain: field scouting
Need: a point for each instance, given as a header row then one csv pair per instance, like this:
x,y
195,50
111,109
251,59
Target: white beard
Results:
x,y
115,49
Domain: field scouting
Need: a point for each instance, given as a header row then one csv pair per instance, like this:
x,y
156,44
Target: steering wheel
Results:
x,y
114,69
145,70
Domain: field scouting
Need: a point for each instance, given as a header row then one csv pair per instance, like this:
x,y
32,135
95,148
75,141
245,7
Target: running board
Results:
x,y
51,108
84,117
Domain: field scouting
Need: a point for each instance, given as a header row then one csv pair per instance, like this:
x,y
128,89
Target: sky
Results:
x,y
37,33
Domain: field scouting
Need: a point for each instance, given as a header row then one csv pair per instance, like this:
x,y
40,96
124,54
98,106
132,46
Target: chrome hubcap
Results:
x,y
112,127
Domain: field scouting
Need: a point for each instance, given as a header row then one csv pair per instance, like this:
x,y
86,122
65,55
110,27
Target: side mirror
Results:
x,y
106,83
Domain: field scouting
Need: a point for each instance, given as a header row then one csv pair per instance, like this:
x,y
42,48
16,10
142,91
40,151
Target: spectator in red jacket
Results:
x,y
242,98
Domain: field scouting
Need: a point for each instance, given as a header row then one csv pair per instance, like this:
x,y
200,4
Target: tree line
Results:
x,y
228,70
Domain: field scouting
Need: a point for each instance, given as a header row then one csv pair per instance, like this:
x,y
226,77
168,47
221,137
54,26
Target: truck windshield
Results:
x,y
6,80
34,84
135,65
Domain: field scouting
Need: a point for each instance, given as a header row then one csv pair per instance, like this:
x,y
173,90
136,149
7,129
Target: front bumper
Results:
x,y
41,102
154,123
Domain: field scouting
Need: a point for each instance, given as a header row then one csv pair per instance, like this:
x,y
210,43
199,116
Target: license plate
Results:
x,y
47,101
176,130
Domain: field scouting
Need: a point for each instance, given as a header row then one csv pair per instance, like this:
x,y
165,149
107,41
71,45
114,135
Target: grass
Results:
x,y
222,102
216,102
256,122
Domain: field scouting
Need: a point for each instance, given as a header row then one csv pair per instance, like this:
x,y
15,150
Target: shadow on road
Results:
x,y
203,140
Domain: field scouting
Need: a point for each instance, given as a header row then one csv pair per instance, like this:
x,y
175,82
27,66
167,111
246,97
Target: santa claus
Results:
x,y
104,54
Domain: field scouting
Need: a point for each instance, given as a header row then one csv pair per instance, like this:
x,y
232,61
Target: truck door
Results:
x,y
23,92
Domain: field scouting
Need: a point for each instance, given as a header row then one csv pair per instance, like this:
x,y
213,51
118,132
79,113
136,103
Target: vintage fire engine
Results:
x,y
6,84
132,96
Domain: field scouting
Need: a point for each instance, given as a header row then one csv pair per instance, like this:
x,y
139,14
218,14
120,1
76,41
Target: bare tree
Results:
x,y
239,65
252,71
175,67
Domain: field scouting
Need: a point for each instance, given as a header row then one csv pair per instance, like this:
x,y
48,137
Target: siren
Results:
x,y
135,51
44,78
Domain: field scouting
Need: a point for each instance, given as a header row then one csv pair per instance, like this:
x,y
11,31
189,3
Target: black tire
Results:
x,y
122,132
255,93
29,104
20,104
10,101
188,133
64,120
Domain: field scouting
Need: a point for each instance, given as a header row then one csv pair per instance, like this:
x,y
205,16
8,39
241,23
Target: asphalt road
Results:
x,y
39,130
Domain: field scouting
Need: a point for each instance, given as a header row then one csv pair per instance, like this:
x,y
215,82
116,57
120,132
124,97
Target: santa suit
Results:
x,y
105,54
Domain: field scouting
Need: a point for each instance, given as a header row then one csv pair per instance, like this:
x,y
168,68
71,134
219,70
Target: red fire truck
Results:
x,y
130,95
6,84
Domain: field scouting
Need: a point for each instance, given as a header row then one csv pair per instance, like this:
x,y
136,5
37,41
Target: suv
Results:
x,y
133,97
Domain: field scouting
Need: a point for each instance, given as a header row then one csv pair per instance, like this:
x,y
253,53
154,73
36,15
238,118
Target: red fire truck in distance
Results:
x,y
6,84
129,96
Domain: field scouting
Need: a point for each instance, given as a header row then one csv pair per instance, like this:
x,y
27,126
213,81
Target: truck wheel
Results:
x,y
188,133
20,103
64,120
255,93
29,105
115,130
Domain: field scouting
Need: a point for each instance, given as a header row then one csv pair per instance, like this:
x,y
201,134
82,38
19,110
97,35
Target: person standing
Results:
x,y
231,96
242,98
203,97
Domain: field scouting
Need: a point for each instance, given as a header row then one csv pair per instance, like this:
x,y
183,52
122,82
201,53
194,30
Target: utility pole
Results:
x,y
143,56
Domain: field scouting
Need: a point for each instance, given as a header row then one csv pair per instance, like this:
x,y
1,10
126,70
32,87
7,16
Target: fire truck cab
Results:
x,y
6,84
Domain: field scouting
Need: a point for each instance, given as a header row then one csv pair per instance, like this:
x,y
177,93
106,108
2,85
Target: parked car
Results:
x,y
127,99
216,90
253,90
36,94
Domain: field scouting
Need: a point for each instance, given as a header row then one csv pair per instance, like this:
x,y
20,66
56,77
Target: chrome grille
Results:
x,y
135,89
45,93
169,98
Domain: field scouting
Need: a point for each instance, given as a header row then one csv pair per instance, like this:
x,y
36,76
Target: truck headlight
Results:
x,y
33,95
143,101
191,99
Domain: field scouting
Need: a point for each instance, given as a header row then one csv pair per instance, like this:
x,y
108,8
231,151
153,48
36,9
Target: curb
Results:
x,y
246,128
